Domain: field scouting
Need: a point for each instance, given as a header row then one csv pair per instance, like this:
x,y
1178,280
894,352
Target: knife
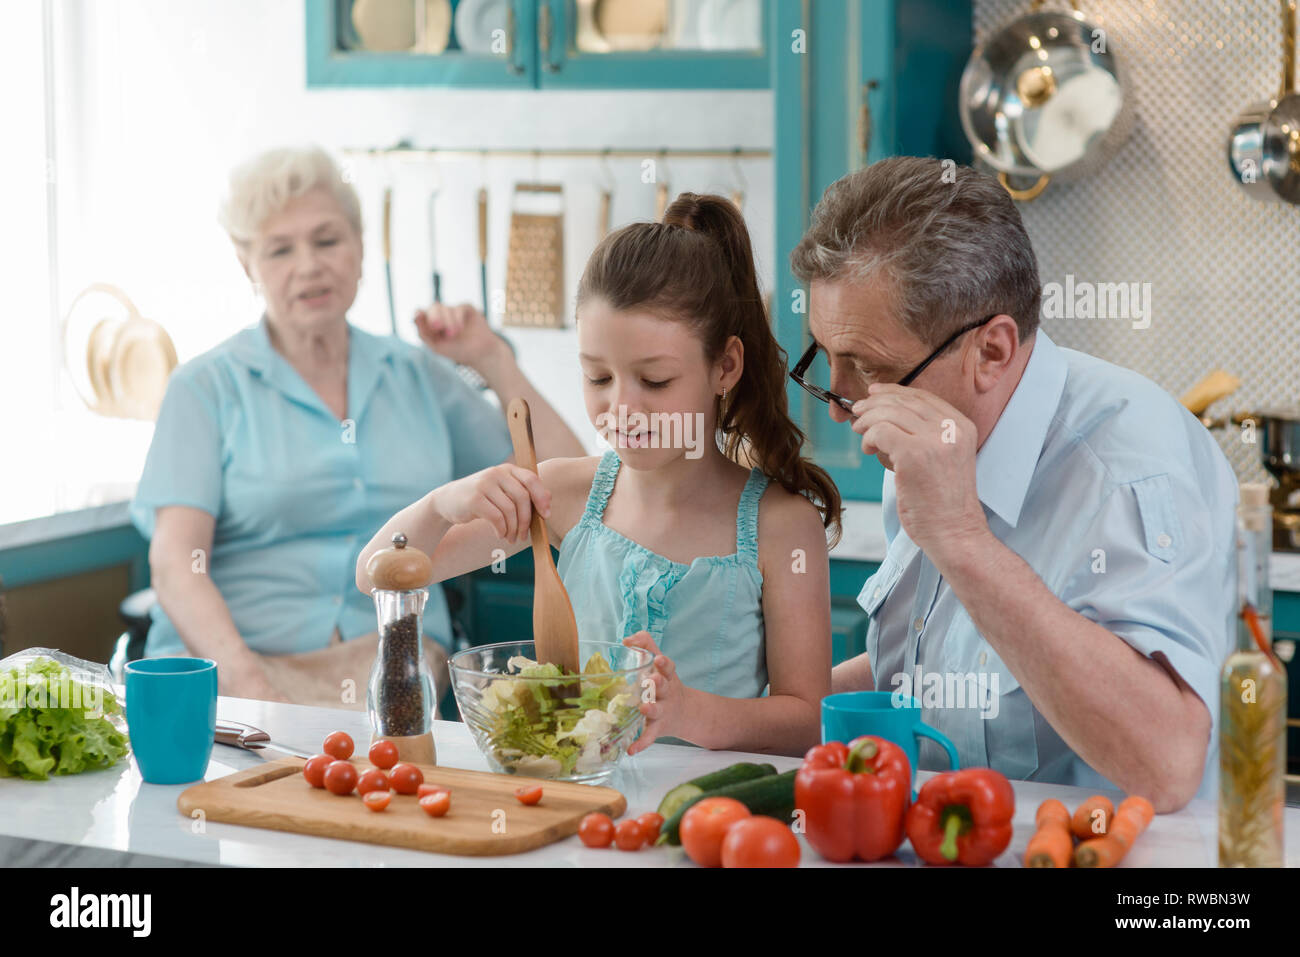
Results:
x,y
251,739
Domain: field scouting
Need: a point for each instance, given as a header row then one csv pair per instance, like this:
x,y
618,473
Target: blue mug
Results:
x,y
854,713
171,714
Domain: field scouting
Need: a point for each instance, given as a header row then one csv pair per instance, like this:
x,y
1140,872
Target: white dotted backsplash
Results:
x,y
1223,268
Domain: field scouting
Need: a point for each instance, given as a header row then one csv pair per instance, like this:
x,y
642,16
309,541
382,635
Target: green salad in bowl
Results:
x,y
534,720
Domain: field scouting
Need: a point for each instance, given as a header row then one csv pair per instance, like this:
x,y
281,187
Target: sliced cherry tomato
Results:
x,y
339,744
705,824
372,780
529,795
383,754
650,823
405,778
376,800
340,777
424,790
314,769
629,835
436,804
760,842
596,830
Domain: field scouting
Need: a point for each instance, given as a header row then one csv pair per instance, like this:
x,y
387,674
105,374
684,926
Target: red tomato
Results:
x,y
650,823
372,780
340,777
704,826
529,795
405,778
760,842
436,804
383,754
314,770
629,835
424,790
339,744
596,830
376,800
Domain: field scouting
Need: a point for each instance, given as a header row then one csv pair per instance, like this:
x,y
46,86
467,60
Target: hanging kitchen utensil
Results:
x,y
606,198
433,246
661,189
388,256
1264,147
555,630
127,357
483,248
535,264
1045,97
738,191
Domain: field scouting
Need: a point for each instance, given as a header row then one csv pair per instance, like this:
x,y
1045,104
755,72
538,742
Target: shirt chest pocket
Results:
x,y
999,726
871,599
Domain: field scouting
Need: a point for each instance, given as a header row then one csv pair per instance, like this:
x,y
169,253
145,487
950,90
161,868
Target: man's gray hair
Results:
x,y
948,241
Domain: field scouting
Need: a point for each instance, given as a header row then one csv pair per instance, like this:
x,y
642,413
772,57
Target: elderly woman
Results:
x,y
279,452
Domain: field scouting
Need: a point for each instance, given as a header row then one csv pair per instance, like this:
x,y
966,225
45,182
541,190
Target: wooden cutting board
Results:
x,y
485,818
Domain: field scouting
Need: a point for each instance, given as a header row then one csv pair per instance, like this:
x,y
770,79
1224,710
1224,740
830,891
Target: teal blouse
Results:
x,y
296,493
707,617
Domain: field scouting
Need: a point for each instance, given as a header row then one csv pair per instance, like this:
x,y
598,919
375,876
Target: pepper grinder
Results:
x,y
401,696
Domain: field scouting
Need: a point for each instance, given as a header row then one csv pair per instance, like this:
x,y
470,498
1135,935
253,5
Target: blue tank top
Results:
x,y
707,617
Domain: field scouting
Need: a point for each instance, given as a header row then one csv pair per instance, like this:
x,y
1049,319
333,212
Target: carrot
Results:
x,y
1083,823
1130,820
1051,844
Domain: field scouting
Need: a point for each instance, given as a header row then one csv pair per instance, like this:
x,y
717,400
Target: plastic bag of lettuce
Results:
x,y
58,715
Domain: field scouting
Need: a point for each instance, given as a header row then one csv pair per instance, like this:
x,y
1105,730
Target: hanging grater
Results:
x,y
535,261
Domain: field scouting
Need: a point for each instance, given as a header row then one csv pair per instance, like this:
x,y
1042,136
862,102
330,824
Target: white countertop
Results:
x,y
112,817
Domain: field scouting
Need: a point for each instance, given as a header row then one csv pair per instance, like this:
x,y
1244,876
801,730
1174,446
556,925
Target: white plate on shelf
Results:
x,y
384,25
476,20
731,24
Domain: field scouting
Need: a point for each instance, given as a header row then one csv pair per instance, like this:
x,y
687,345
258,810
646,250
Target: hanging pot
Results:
x,y
1264,148
1045,98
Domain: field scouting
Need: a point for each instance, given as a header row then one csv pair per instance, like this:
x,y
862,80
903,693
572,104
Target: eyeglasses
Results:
x,y
826,395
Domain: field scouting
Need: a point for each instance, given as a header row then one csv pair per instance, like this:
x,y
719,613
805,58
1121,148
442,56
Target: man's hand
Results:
x,y
461,334
930,447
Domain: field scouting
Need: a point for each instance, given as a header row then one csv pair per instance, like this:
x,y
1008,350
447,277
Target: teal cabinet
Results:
x,y
854,81
539,44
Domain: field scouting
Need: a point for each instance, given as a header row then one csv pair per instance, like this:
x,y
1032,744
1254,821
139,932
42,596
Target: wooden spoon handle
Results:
x,y
521,434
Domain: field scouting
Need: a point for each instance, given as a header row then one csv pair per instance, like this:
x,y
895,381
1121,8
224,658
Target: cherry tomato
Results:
x,y
436,804
760,842
705,824
314,770
629,835
596,830
650,823
376,800
339,744
424,790
383,754
529,795
340,777
405,778
372,780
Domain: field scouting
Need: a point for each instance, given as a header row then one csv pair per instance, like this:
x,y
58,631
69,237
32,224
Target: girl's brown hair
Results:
x,y
697,266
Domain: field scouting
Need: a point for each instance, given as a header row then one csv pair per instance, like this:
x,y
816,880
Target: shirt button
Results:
x,y
918,624
358,483
983,657
1164,541
875,594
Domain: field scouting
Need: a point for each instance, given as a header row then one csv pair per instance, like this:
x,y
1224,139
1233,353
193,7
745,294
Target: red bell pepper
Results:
x,y
854,798
962,817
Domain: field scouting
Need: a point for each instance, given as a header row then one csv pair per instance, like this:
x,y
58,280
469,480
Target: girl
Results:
x,y
717,568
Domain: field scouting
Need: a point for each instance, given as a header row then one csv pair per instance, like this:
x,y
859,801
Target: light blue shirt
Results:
x,y
1122,503
295,492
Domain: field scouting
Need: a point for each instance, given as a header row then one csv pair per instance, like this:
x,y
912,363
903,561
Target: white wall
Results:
x,y
159,99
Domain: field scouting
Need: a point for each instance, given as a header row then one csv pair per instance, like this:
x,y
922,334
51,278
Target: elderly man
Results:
x,y
1059,528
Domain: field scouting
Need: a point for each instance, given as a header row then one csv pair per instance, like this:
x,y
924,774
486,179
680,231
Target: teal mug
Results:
x,y
171,714
854,713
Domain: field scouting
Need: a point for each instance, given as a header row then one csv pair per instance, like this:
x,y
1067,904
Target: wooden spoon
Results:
x,y
555,630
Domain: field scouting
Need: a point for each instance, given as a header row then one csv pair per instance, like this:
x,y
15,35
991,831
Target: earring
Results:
x,y
724,395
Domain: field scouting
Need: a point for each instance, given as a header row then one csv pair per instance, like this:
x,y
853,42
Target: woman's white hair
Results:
x,y
260,187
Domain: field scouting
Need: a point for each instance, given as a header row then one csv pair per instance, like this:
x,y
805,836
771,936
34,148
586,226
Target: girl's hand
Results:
x,y
664,711
461,334
503,496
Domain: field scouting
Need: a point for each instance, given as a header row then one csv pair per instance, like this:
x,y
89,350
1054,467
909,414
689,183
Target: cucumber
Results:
x,y
744,771
771,795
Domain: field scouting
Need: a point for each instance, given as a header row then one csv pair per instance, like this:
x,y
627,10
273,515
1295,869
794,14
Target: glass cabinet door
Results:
x,y
653,44
481,43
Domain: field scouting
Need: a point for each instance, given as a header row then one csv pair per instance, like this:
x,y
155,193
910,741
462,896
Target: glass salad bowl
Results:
x,y
530,720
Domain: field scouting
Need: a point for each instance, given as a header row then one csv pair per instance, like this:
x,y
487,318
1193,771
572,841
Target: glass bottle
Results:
x,y
1252,702
401,696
